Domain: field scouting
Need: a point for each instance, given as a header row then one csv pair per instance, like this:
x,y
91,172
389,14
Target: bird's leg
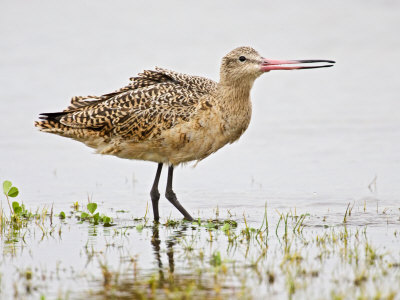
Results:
x,y
170,195
155,194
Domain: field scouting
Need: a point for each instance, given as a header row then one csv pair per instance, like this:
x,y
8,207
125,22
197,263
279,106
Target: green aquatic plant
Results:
x,y
95,218
347,213
18,211
172,223
299,224
226,227
10,191
61,215
238,260
139,227
216,260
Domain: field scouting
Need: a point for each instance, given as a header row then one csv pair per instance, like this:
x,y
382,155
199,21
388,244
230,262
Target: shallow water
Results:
x,y
316,141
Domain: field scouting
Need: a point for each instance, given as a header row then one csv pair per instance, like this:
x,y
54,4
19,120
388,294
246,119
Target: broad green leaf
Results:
x,y
13,192
106,221
62,215
96,218
15,205
18,210
6,186
84,215
226,227
210,225
92,207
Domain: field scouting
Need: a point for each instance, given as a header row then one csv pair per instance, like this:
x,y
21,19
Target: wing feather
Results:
x,y
154,101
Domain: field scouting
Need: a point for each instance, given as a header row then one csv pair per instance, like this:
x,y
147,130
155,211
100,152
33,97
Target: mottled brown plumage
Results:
x,y
162,116
165,116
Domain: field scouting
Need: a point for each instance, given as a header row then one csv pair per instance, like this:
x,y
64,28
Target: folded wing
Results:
x,y
154,101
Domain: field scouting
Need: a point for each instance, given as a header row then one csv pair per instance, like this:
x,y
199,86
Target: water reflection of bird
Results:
x,y
168,117
177,234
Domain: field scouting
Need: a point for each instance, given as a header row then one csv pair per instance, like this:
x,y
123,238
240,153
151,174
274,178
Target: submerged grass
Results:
x,y
216,258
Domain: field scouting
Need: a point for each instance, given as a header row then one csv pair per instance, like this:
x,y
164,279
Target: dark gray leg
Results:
x,y
155,194
170,195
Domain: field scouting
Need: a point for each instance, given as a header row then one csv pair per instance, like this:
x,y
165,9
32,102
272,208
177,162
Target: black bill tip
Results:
x,y
310,61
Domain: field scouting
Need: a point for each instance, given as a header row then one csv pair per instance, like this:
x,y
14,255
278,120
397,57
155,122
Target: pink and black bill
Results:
x,y
271,64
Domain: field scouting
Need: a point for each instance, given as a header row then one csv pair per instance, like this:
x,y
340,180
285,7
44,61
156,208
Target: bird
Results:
x,y
168,117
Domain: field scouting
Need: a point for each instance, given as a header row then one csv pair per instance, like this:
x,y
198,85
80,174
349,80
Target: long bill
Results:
x,y
270,64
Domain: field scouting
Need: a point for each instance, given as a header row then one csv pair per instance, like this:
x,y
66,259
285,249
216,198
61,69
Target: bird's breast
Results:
x,y
236,120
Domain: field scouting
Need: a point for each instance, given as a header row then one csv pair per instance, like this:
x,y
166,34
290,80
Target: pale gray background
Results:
x,y
317,137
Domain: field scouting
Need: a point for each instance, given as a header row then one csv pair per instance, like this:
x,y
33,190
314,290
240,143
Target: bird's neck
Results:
x,y
234,94
233,101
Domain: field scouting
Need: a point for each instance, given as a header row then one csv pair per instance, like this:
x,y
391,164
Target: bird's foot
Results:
x,y
171,196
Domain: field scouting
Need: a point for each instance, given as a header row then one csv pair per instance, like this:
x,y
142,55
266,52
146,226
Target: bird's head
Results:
x,y
243,65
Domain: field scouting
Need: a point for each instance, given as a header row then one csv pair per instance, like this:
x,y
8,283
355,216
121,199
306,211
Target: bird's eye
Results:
x,y
242,58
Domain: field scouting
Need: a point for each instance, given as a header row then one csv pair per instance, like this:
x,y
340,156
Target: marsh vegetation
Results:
x,y
85,253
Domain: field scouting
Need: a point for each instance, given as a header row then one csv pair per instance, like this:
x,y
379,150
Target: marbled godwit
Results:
x,y
168,117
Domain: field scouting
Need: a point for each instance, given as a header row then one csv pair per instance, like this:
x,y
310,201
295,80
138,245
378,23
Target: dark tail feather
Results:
x,y
52,116
50,121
